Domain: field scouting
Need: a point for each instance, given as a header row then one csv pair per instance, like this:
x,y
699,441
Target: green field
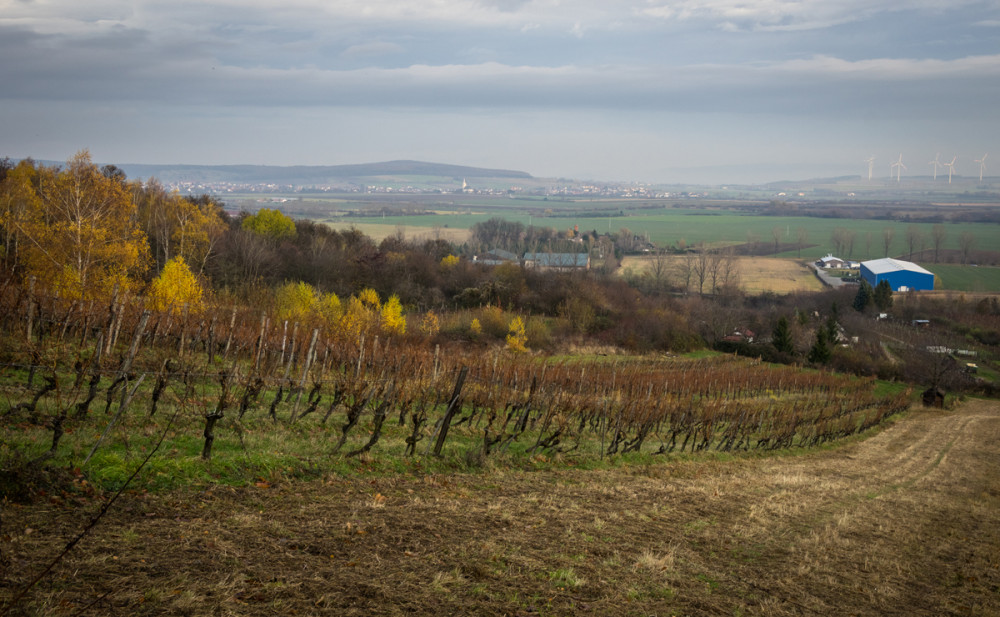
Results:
x,y
965,278
666,227
665,222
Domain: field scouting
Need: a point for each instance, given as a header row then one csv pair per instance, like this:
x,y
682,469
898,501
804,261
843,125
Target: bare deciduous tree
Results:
x,y
887,235
938,235
914,238
966,242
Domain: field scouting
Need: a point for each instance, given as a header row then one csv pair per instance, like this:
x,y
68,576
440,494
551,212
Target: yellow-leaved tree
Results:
x,y
271,224
369,298
176,225
329,308
393,321
296,301
363,312
79,236
175,288
430,325
303,303
17,197
517,336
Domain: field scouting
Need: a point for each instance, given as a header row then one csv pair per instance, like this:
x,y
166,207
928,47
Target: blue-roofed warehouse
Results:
x,y
902,275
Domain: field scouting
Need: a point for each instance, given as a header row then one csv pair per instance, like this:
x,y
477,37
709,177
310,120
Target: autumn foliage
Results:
x,y
75,230
176,287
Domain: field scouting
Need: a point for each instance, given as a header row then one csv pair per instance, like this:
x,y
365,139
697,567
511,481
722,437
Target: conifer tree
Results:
x,y
883,295
781,337
864,296
820,352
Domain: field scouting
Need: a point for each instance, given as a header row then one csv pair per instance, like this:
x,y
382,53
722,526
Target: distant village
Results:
x,y
580,190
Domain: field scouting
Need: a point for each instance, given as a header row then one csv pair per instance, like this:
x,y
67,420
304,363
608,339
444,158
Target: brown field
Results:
x,y
902,523
757,274
379,232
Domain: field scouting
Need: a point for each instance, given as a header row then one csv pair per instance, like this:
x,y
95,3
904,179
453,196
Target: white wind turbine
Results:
x,y
871,164
951,167
982,165
936,163
898,165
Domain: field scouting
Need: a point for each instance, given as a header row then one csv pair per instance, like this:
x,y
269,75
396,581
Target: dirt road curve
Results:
x,y
904,523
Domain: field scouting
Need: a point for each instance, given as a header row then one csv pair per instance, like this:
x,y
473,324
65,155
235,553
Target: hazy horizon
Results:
x,y
696,91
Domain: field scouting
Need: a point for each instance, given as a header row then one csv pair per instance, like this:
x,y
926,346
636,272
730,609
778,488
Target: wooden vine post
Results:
x,y
31,308
260,342
229,339
305,373
450,412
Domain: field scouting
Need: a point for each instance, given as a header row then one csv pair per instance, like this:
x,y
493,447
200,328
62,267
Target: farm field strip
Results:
x,y
668,227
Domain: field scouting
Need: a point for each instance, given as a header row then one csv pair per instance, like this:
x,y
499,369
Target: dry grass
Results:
x,y
379,232
901,523
757,274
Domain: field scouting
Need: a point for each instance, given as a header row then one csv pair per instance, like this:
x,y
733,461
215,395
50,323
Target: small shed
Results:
x,y
933,397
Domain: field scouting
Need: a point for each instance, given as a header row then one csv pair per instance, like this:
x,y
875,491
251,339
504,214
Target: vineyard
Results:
x,y
96,387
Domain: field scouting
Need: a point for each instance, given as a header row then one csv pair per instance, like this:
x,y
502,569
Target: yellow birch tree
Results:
x,y
82,238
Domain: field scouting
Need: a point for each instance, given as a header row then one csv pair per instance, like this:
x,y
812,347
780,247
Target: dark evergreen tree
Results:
x,y
820,352
781,337
832,329
864,296
883,295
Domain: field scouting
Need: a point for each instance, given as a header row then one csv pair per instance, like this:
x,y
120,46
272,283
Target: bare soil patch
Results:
x,y
902,523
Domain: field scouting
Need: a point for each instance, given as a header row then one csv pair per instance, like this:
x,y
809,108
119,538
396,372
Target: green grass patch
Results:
x,y
965,278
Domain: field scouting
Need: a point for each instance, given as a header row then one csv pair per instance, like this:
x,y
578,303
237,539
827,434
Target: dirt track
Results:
x,y
904,523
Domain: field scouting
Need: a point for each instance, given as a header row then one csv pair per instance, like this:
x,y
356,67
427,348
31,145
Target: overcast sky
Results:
x,y
714,91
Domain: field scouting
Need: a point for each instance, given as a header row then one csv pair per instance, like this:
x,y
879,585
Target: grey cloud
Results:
x,y
373,49
129,65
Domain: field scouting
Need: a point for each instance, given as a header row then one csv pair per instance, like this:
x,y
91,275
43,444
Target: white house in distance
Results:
x,y
830,262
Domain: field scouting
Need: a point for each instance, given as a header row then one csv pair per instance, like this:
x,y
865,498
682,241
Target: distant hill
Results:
x,y
308,174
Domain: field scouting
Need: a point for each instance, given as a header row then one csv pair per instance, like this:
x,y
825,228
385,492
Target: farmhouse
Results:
x,y
495,258
557,261
901,275
830,262
740,335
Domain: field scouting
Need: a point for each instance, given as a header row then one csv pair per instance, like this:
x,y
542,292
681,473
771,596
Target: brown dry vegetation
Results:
x,y
757,274
902,523
379,231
